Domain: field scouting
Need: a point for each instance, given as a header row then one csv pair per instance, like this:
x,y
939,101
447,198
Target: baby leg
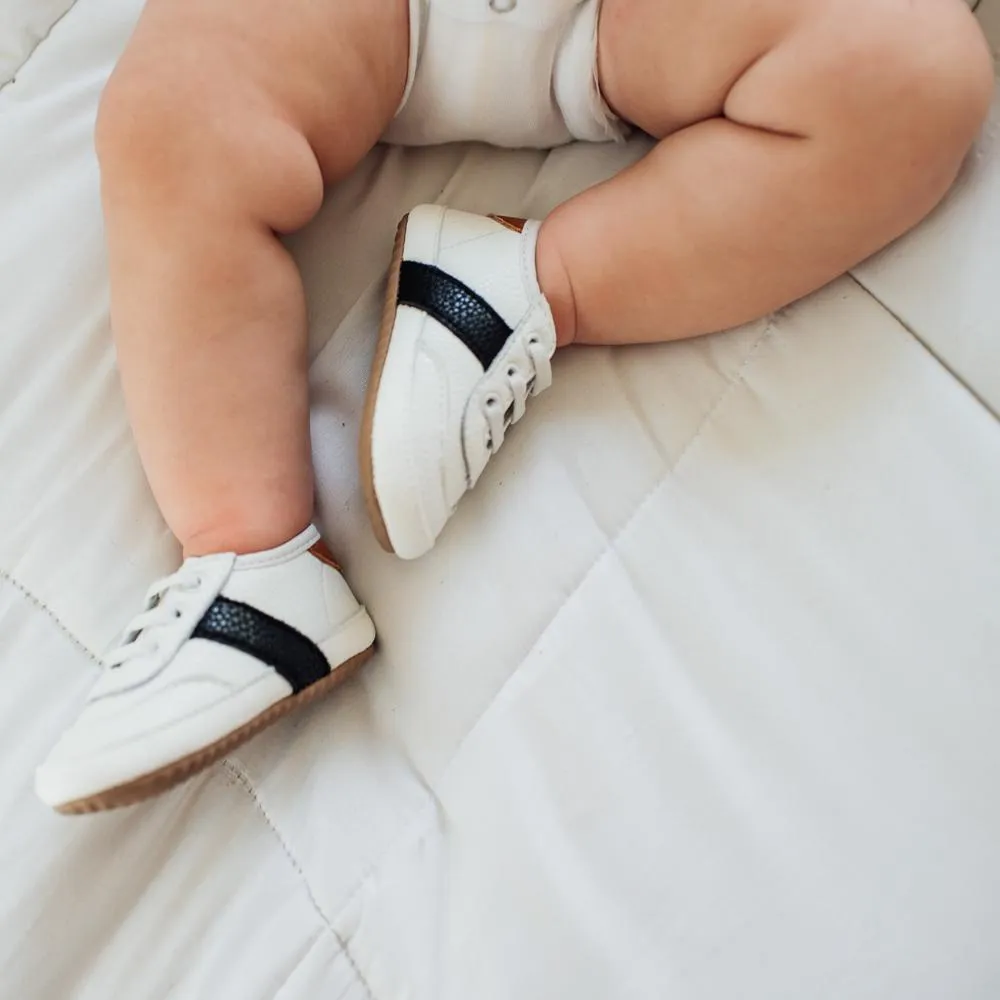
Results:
x,y
798,137
216,133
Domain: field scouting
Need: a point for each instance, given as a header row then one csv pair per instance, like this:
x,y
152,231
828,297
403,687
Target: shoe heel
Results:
x,y
354,637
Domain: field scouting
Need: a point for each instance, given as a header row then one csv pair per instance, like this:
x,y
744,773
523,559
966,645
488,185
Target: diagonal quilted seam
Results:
x,y
39,604
34,48
922,341
737,380
240,776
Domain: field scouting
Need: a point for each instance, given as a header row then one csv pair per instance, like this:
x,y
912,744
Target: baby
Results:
x,y
794,138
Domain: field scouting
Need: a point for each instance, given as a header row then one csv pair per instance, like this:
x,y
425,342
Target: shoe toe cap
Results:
x,y
135,732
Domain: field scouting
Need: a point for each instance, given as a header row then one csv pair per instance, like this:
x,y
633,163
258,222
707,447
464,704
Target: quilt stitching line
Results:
x,y
416,824
960,379
735,382
34,48
295,968
241,776
40,605
298,965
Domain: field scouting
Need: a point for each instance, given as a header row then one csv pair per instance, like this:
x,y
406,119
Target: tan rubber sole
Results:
x,y
381,351
158,782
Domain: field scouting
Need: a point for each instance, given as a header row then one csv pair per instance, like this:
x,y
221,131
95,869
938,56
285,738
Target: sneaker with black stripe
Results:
x,y
466,339
224,647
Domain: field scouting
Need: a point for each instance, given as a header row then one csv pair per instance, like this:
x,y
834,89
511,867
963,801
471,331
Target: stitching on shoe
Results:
x,y
286,552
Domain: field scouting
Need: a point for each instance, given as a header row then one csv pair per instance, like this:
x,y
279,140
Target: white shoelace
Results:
x,y
499,418
164,605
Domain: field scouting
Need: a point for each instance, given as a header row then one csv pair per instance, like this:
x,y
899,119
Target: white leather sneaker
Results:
x,y
224,647
467,336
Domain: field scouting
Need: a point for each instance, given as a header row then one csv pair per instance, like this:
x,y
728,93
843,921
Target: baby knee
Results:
x,y
171,142
148,126
935,74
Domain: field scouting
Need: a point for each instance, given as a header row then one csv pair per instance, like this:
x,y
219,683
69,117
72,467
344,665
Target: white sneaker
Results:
x,y
466,337
224,647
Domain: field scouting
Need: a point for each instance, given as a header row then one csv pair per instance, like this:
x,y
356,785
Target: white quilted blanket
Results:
x,y
698,699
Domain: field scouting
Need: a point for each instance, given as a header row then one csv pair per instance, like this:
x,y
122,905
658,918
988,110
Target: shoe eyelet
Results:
x,y
492,401
502,6
512,371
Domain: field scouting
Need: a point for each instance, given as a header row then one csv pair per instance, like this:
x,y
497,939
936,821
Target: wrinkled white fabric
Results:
x,y
696,699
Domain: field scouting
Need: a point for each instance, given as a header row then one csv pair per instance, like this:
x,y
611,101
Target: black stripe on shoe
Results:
x,y
455,306
285,649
